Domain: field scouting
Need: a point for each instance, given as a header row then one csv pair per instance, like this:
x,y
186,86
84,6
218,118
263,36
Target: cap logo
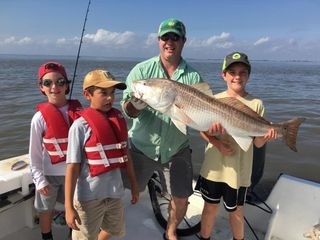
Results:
x,y
108,75
236,56
170,24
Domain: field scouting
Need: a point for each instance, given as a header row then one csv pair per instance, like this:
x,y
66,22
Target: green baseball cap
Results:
x,y
172,25
235,57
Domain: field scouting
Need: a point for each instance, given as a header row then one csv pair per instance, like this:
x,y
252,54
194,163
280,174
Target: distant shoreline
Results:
x,y
135,59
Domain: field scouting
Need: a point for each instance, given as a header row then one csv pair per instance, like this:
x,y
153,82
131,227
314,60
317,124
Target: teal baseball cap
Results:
x,y
235,57
172,25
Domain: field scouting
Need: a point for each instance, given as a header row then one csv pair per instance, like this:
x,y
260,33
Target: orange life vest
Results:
x,y
55,139
106,148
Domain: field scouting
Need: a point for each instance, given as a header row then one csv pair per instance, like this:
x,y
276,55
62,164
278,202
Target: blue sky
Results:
x,y
272,30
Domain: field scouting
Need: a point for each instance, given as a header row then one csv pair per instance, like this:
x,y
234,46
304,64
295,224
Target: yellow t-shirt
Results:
x,y
234,170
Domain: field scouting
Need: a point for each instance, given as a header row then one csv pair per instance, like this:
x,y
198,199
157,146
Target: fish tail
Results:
x,y
290,131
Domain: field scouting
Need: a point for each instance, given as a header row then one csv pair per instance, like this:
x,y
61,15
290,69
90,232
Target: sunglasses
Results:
x,y
60,82
174,37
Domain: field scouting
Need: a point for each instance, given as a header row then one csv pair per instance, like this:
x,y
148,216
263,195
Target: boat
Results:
x,y
291,211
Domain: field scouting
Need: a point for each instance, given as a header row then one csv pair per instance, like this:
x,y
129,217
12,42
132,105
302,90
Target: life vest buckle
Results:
x,y
103,155
57,147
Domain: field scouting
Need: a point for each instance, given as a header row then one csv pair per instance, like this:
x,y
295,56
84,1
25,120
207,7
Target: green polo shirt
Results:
x,y
152,132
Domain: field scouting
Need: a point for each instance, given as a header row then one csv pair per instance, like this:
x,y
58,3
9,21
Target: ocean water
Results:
x,y
288,89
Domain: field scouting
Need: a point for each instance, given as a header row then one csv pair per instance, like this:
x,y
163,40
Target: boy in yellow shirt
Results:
x,y
226,170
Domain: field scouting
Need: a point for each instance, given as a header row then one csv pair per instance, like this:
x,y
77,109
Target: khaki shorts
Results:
x,y
106,214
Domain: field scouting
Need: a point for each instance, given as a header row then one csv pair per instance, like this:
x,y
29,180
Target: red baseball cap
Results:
x,y
52,67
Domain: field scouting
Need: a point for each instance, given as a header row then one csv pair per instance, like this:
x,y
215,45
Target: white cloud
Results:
x,y
25,40
66,41
62,41
213,39
217,41
261,41
293,42
105,37
225,45
9,40
152,39
129,44
14,41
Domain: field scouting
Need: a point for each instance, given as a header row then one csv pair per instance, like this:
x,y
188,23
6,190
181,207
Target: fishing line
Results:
x,y
79,49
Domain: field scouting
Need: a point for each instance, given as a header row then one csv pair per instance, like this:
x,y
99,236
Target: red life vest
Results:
x,y
55,139
106,148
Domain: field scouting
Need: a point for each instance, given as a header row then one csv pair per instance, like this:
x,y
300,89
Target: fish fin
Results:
x,y
181,126
290,131
243,141
237,104
179,118
203,87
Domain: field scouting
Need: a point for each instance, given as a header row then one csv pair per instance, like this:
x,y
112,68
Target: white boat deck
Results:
x,y
294,201
140,225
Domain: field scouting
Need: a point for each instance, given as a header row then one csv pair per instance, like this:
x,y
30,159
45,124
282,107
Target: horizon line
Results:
x,y
142,58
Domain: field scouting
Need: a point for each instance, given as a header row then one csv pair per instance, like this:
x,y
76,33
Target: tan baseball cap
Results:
x,y
102,78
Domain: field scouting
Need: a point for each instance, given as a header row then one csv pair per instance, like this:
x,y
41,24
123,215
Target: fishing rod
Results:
x,y
79,49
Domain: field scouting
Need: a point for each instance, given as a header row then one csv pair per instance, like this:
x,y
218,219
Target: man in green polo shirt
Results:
x,y
155,142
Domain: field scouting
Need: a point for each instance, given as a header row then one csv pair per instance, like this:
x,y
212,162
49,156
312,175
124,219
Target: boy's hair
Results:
x,y
235,57
91,89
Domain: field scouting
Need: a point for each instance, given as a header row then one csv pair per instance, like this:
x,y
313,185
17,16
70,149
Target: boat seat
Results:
x,y
296,208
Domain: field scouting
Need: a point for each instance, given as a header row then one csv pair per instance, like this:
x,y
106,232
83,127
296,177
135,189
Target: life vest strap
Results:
x,y
120,145
55,140
110,160
55,143
54,153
